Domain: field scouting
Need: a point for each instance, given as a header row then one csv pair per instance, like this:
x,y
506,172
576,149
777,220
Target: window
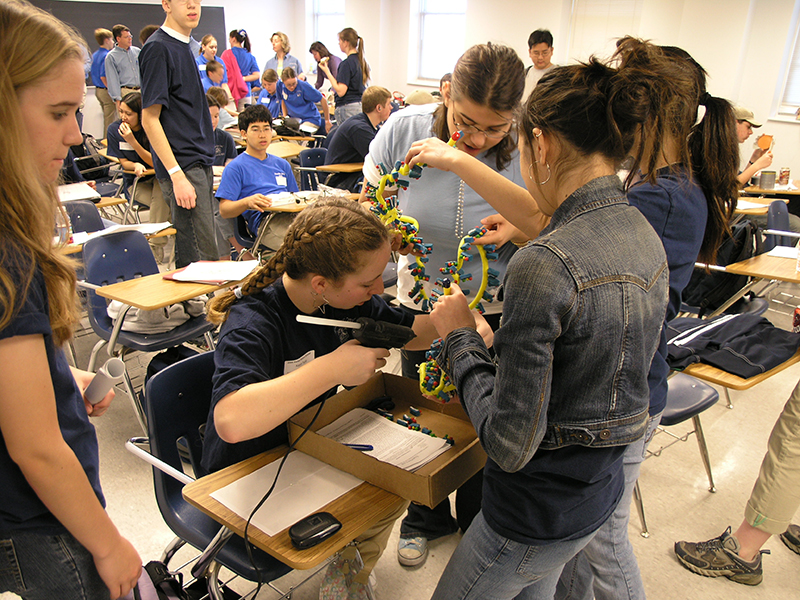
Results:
x,y
328,22
790,97
597,24
442,24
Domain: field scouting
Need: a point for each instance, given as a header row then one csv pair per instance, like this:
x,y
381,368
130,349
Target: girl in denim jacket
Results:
x,y
583,307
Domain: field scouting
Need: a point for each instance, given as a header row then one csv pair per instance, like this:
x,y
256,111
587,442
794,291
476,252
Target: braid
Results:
x,y
326,239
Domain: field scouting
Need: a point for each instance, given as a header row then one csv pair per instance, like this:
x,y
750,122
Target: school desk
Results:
x,y
75,248
342,168
285,150
357,510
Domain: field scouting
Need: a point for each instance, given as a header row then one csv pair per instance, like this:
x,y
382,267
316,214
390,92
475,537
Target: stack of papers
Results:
x,y
144,228
398,446
783,252
305,485
76,191
215,272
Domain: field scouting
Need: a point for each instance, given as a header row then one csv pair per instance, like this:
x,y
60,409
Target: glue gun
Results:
x,y
371,333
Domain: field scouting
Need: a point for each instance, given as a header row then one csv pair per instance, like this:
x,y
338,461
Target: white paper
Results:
x,y
393,444
783,252
216,271
747,204
304,486
145,228
76,191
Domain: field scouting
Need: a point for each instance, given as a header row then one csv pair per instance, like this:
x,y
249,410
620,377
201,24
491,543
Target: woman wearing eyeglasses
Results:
x,y
486,87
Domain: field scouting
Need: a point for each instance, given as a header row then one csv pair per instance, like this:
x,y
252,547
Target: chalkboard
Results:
x,y
88,16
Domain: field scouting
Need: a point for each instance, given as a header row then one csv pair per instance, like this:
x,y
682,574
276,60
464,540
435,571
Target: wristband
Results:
x,y
750,162
174,170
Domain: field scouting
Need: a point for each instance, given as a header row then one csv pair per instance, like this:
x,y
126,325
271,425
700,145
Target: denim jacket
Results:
x,y
584,304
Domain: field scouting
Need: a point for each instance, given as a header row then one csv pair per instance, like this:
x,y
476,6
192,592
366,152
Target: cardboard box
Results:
x,y
431,483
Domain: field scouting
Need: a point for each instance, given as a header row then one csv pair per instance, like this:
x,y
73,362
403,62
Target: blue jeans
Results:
x,y
196,233
488,566
436,522
43,567
606,569
345,111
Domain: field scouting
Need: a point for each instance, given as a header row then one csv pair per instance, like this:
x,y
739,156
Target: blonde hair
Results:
x,y
328,238
285,45
33,44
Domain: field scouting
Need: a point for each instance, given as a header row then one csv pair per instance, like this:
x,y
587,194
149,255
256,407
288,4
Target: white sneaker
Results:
x,y
412,551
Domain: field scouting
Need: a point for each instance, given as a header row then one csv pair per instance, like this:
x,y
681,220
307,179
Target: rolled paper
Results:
x,y
106,377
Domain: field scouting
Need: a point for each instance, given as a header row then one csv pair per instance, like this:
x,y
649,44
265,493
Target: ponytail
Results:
x,y
349,35
240,35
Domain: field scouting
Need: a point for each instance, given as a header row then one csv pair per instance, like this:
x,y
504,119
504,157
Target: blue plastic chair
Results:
x,y
686,399
178,402
310,159
121,256
777,219
84,216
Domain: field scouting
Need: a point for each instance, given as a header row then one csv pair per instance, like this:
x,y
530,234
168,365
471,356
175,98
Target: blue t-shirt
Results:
x,y
288,61
20,507
224,148
247,175
247,64
258,341
99,68
677,209
271,101
301,103
201,67
351,75
170,78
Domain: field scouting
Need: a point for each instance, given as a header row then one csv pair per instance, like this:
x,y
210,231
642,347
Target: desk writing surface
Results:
x,y
734,382
757,190
764,266
357,510
342,168
284,150
75,248
153,291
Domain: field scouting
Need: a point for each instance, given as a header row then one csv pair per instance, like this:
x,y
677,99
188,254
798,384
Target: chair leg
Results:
x,y
728,398
172,549
71,353
93,356
701,441
637,498
209,340
138,409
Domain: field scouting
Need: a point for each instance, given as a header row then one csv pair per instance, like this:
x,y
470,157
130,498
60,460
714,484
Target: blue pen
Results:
x,y
361,447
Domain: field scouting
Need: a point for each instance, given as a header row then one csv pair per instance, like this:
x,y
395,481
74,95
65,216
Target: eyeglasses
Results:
x,y
543,53
492,133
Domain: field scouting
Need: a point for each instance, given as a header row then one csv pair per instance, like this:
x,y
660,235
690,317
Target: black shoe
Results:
x,y
791,537
719,557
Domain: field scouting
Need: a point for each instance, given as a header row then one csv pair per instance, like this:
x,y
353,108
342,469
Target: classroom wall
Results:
x,y
741,43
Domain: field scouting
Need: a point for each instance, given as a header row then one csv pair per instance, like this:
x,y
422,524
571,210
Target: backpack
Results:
x,y
709,291
287,126
157,583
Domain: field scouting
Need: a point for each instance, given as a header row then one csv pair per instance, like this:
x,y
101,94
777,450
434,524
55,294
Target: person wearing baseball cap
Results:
x,y
760,159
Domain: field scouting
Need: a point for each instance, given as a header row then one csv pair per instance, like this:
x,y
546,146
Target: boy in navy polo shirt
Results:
x,y
299,100
176,119
248,179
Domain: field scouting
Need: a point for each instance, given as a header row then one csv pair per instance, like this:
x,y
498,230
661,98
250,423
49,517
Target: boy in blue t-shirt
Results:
x,y
248,179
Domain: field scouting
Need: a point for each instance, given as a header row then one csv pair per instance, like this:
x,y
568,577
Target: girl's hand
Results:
x,y
120,569
434,153
83,379
357,363
139,169
258,202
125,132
500,232
452,312
764,161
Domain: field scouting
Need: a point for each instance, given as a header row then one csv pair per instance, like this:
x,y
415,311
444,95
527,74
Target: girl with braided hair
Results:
x,y
269,366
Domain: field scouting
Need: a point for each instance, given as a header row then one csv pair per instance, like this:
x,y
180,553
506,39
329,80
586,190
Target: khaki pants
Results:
x,y
148,192
372,543
776,494
108,106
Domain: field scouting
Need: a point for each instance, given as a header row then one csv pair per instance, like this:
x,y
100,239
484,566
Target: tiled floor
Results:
x,y
674,486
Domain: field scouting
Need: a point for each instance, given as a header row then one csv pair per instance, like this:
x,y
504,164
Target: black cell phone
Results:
x,y
313,529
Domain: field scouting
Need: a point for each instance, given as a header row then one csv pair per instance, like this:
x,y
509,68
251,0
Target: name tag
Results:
x,y
293,365
201,67
280,179
125,146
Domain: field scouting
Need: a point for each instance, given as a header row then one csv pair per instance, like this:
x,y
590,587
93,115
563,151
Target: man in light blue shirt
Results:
x,y
122,65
